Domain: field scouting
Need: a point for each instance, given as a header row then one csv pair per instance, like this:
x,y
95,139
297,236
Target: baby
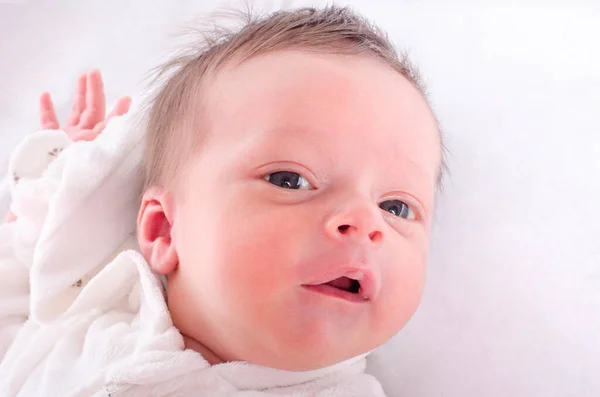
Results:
x,y
290,171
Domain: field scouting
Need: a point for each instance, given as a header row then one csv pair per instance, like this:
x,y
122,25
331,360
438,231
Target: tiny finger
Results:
x,y
95,103
121,108
10,217
48,119
78,101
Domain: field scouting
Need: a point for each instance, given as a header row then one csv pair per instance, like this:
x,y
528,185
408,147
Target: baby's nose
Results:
x,y
357,219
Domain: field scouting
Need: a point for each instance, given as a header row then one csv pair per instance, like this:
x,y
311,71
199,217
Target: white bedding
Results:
x,y
512,304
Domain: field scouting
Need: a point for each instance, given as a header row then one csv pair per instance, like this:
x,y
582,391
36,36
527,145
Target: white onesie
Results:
x,y
82,314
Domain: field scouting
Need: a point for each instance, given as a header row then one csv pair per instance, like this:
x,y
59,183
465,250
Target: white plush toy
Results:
x,y
34,154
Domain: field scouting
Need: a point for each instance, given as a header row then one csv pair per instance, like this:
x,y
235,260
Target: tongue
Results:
x,y
342,283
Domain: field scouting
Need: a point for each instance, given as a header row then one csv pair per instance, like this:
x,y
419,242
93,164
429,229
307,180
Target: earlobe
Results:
x,y
155,223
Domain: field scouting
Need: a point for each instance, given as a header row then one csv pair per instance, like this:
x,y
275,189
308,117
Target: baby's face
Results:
x,y
316,169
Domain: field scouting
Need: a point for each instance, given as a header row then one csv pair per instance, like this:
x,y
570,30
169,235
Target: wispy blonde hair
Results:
x,y
172,130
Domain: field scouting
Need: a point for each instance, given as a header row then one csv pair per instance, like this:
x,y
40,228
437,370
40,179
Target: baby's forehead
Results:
x,y
302,81
337,107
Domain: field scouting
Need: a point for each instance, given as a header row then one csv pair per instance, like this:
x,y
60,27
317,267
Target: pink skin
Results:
x,y
87,119
241,253
10,217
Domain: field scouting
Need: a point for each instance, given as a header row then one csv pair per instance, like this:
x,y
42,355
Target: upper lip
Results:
x,y
363,274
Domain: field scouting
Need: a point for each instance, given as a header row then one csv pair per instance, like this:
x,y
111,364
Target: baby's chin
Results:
x,y
313,353
295,356
322,339
311,360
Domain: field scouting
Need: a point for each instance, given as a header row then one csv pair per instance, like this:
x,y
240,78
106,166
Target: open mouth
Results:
x,y
345,284
346,288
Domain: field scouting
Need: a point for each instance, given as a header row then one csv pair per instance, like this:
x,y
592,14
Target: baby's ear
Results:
x,y
155,222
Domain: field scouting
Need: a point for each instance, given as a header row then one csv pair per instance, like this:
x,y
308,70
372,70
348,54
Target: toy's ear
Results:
x,y
35,153
155,223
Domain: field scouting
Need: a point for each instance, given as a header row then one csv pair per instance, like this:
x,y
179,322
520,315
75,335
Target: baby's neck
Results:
x,y
206,353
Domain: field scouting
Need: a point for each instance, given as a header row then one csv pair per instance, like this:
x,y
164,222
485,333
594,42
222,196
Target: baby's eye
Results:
x,y
289,180
398,208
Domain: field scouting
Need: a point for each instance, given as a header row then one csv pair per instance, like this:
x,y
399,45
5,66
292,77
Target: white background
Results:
x,y
512,304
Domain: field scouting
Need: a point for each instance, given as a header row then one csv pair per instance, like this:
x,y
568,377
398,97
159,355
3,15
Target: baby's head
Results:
x,y
291,170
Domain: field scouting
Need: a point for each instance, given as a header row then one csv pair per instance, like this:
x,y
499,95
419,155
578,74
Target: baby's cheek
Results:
x,y
258,267
257,255
402,289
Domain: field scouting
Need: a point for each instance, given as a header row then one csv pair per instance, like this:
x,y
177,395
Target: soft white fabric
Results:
x,y
32,157
98,322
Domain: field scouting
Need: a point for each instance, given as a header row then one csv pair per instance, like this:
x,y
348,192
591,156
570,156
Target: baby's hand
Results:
x,y
87,119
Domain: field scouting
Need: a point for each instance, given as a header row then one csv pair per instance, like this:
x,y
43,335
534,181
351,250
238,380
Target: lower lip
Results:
x,y
328,290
